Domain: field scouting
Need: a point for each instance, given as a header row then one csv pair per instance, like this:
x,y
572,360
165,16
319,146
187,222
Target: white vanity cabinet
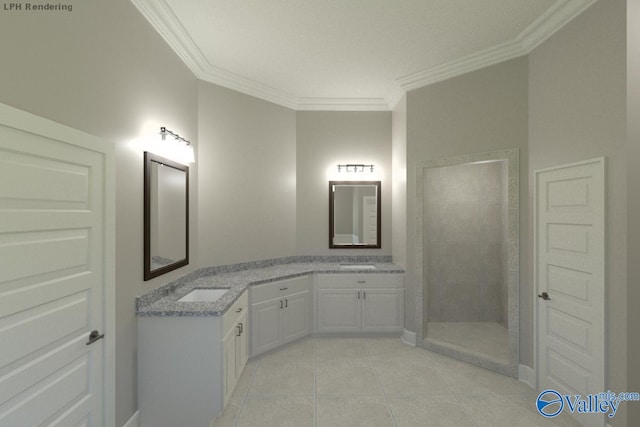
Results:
x,y
236,346
280,313
188,366
359,302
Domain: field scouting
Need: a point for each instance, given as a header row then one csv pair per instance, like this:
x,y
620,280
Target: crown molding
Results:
x,y
461,66
541,29
342,104
164,21
556,17
394,95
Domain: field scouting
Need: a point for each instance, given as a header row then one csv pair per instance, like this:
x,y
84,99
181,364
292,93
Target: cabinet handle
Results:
x,y
283,289
362,281
286,302
364,294
239,330
281,306
239,310
358,294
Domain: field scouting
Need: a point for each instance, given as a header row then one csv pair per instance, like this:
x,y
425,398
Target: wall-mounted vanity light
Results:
x,y
181,147
355,168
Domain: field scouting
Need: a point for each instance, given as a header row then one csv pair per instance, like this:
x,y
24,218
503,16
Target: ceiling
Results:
x,y
349,54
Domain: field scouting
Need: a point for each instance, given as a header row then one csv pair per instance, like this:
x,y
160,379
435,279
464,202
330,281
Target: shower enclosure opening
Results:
x,y
469,234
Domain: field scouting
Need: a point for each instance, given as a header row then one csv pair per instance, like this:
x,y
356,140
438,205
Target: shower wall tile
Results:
x,y
464,228
459,183
491,188
490,222
459,222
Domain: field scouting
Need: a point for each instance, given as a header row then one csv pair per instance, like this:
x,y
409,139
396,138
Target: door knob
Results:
x,y
94,336
544,296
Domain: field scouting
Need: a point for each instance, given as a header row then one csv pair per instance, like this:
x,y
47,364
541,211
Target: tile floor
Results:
x,y
371,382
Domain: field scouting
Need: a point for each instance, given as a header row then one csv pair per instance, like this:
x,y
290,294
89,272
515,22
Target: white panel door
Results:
x,y
266,332
339,310
55,264
570,280
382,310
296,311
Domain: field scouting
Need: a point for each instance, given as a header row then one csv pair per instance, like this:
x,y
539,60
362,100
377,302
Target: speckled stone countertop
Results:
x,y
163,302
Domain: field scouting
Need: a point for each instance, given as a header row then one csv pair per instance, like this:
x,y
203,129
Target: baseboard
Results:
x,y
409,337
527,376
133,421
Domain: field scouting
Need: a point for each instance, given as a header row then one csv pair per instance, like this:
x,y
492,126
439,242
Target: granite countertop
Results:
x,y
163,302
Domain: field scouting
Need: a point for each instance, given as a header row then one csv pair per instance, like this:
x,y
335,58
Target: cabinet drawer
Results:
x,y
235,311
358,281
268,291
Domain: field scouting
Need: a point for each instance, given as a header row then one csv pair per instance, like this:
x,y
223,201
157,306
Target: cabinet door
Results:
x,y
296,322
382,310
242,345
229,363
339,310
266,332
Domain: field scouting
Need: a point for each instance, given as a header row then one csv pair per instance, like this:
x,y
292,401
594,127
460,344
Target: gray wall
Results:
x,y
247,180
103,69
577,107
326,139
484,110
633,205
464,223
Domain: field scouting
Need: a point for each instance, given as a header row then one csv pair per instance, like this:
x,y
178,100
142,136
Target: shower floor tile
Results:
x,y
485,338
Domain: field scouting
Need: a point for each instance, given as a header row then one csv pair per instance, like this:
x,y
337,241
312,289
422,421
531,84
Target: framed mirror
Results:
x,y
166,215
354,214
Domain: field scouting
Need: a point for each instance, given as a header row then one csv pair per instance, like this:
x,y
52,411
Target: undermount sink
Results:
x,y
357,267
203,295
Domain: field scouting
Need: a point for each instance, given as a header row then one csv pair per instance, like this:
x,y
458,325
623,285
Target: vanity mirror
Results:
x,y
354,214
166,215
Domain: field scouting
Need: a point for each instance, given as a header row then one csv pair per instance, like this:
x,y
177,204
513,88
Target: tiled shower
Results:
x,y
465,224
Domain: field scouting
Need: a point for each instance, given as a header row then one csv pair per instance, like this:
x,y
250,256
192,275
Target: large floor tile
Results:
x,y
342,377
466,379
300,350
283,378
276,412
509,411
340,348
411,411
409,377
355,411
392,348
